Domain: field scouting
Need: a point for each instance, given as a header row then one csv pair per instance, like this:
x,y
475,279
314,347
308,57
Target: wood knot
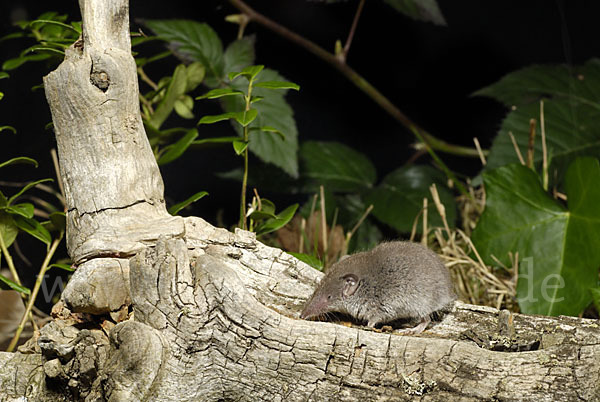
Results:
x,y
100,79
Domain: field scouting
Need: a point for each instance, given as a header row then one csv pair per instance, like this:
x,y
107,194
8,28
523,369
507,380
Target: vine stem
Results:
x,y
431,141
15,275
34,292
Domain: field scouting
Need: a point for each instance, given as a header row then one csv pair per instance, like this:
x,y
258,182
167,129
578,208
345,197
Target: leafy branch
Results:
x,y
339,63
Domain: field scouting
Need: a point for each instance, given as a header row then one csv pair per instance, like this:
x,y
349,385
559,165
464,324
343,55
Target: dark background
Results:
x,y
428,71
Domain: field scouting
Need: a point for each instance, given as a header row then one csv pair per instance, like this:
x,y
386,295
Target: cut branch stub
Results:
x,y
112,182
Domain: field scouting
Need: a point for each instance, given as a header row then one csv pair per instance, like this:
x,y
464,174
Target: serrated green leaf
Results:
x,y
196,40
221,92
27,187
239,146
8,128
571,110
183,107
421,10
178,148
557,247
277,85
336,166
273,111
239,54
18,160
8,228
271,225
24,209
7,284
179,206
398,200
308,259
34,228
175,89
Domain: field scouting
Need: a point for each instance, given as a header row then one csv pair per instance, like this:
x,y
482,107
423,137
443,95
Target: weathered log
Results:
x,y
214,314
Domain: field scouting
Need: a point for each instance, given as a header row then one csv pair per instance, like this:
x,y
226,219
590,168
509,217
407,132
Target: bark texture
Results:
x,y
164,308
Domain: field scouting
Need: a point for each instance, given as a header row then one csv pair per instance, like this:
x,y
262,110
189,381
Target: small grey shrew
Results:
x,y
394,280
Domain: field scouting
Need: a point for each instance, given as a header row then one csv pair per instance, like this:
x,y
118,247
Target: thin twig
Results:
x,y
323,224
58,176
355,228
481,155
530,145
544,150
36,288
352,30
517,150
424,235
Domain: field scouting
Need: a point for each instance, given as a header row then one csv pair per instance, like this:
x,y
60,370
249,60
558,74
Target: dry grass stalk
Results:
x,y
476,282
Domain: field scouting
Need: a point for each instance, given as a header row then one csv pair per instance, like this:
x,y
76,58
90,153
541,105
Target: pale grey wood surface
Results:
x,y
215,313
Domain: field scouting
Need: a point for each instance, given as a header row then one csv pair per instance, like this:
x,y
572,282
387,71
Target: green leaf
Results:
x,y
65,267
8,228
215,140
27,187
398,200
308,259
249,72
336,166
11,64
557,247
24,209
571,112
177,149
8,128
220,92
271,225
34,228
58,222
183,107
421,10
175,89
4,74
239,146
174,210
239,54
195,73
20,159
7,284
273,111
243,118
246,117
267,129
196,40
277,85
